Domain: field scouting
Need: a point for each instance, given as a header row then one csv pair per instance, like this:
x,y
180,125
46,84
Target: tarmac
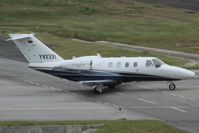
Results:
x,y
30,95
26,94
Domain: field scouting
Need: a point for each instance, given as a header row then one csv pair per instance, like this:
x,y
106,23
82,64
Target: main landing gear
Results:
x,y
172,86
100,88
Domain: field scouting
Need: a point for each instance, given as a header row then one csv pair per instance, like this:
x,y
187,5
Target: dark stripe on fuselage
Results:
x,y
86,75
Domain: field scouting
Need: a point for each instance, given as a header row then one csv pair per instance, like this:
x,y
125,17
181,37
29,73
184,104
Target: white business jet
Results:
x,y
96,71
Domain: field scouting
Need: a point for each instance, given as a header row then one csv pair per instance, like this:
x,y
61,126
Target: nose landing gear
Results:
x,y
172,86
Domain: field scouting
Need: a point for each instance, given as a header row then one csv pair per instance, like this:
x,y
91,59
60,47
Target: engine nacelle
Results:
x,y
85,64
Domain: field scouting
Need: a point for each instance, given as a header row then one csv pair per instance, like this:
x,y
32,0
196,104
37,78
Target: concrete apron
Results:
x,y
50,129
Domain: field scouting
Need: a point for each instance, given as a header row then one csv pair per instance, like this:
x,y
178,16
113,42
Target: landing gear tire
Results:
x,y
98,89
172,86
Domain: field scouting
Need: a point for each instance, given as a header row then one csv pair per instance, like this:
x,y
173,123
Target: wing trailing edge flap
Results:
x,y
96,82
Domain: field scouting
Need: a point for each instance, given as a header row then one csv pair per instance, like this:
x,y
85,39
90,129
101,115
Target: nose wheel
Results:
x,y
172,86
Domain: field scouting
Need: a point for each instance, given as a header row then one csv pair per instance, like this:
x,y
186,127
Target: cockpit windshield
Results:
x,y
157,63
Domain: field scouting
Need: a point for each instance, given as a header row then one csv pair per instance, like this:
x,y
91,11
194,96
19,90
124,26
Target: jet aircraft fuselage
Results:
x,y
97,71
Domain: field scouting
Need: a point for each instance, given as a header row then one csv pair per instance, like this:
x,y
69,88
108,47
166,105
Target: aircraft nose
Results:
x,y
179,73
186,74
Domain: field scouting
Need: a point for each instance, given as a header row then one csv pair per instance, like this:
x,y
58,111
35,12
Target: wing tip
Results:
x,y
19,36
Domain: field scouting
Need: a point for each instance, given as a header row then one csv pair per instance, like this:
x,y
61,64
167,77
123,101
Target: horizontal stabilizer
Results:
x,y
19,36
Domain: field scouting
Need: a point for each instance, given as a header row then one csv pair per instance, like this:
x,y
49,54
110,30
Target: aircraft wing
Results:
x,y
89,77
96,82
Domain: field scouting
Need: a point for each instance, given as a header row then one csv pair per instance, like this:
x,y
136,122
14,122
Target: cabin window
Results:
x,y
135,64
127,64
110,64
149,63
119,64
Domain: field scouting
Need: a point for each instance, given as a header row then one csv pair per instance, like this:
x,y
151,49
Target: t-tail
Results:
x,y
33,49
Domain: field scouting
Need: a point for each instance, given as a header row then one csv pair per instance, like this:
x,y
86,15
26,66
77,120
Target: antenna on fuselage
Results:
x,y
91,63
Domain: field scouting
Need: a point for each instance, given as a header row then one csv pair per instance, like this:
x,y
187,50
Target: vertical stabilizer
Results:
x,y
33,49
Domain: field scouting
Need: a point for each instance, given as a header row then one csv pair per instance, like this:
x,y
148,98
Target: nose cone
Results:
x,y
189,74
179,73
186,74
